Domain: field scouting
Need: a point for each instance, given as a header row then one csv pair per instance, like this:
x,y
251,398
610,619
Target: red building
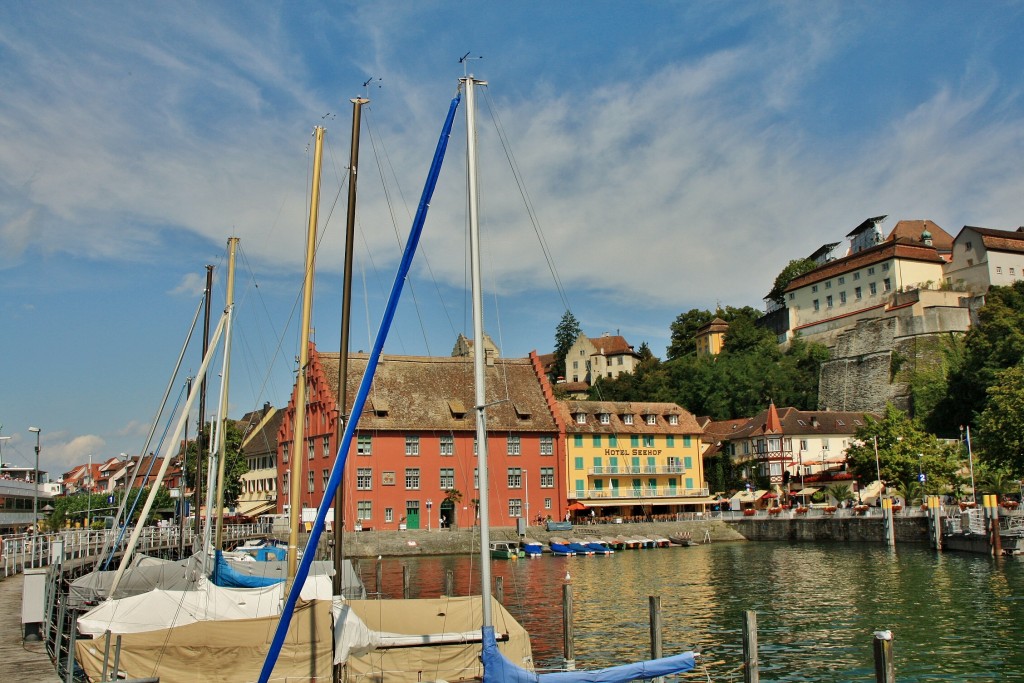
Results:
x,y
412,460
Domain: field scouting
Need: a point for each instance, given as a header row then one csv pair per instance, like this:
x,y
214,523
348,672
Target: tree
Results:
x,y
1000,427
235,464
792,271
683,329
905,450
566,333
839,492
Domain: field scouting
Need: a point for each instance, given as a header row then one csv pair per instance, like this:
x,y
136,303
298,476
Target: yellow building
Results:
x,y
710,338
631,459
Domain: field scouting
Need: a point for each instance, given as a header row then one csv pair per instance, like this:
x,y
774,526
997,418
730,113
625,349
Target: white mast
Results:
x,y
479,352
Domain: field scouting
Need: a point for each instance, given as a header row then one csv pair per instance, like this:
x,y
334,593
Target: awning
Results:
x,y
576,507
806,492
647,502
758,495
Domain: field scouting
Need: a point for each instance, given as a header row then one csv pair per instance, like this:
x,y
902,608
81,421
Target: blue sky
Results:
x,y
676,155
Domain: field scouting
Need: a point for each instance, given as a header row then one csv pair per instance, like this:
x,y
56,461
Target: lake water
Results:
x,y
954,617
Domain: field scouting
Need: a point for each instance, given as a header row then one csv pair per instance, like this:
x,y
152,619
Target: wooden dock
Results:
x,y
20,661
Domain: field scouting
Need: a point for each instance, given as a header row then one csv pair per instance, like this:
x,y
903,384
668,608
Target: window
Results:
x,y
575,365
670,441
578,463
856,276
364,478
412,445
814,288
547,503
824,444
873,288
967,245
515,478
817,306
871,270
595,440
309,482
547,445
803,444
284,484
673,419
476,478
284,452
687,441
364,444
389,515
885,267
828,301
581,418
842,280
327,446
999,270
512,444
1011,272
842,298
648,441
887,284
828,285
447,479
605,418
515,507
626,419
311,448
547,477
326,476
613,440
364,509
791,296
577,440
412,478
447,445
652,420
857,293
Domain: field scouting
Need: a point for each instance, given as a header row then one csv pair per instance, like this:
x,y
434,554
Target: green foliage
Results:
x,y
685,326
999,480
76,507
929,384
904,450
793,270
995,343
839,492
1000,427
565,335
235,464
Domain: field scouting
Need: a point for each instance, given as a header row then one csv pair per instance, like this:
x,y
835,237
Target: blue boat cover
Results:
x,y
498,669
226,577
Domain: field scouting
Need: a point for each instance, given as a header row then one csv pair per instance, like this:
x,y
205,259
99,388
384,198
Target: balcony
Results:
x,y
645,492
644,469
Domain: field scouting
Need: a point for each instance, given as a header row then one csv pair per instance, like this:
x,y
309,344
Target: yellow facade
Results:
x,y
633,458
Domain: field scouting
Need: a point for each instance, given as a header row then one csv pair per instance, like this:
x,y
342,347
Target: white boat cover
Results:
x,y
405,641
163,609
221,651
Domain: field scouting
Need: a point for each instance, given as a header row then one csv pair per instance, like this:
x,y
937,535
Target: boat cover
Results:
x,y
405,641
225,575
498,668
164,609
221,651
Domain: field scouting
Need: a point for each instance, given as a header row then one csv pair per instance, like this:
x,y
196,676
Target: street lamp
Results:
x,y
430,504
35,497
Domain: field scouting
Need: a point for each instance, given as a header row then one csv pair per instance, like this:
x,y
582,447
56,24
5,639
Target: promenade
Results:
x,y
20,661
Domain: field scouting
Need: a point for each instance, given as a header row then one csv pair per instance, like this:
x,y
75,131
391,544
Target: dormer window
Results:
x,y
627,419
456,408
581,418
522,412
652,419
673,419
605,418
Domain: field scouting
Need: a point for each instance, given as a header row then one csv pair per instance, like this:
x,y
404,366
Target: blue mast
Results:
x,y
360,399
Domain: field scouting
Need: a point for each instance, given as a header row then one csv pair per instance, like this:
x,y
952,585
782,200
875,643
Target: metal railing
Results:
x,y
628,493
30,550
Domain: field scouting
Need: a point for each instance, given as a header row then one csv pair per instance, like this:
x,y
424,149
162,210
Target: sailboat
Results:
x,y
497,662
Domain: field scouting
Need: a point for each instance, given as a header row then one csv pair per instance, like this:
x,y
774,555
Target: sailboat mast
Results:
x,y
479,352
299,416
201,436
228,306
346,307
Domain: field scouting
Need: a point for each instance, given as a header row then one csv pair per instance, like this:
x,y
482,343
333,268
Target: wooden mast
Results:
x,y
222,429
346,307
299,415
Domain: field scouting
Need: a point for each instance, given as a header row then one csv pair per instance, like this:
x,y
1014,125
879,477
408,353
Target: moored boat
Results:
x,y
505,550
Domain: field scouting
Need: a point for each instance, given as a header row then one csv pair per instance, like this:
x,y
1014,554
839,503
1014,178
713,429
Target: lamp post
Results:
x,y
35,497
88,514
430,504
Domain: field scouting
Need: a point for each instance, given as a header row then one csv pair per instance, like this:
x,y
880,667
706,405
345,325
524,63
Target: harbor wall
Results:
x,y
464,541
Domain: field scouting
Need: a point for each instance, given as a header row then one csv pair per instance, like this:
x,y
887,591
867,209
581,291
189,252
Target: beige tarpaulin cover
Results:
x,y
223,651
383,621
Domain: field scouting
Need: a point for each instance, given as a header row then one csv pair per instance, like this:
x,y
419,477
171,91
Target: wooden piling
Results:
x,y
499,588
654,609
885,670
449,582
751,673
405,582
888,519
568,649
379,571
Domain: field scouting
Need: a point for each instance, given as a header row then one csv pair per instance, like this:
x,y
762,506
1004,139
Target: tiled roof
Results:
x,y
867,257
260,431
1000,240
612,345
794,423
910,231
616,409
430,393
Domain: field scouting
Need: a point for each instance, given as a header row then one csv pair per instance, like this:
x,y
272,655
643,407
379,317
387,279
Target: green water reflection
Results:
x,y
954,617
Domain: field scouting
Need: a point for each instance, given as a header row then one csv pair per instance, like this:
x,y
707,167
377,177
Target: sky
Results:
x,y
669,156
